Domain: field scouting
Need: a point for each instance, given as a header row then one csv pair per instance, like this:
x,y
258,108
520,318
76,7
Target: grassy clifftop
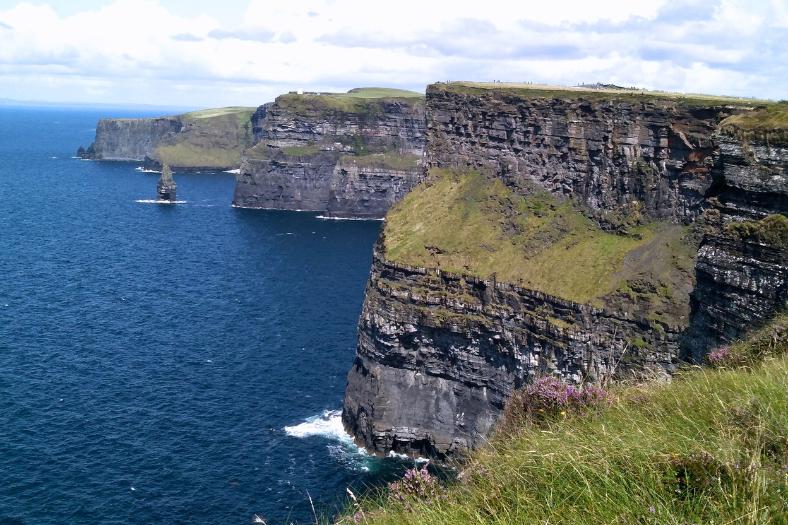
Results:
x,y
591,93
211,138
710,447
768,124
464,222
356,101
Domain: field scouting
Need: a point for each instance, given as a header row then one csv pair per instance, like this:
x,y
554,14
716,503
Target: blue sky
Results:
x,y
205,53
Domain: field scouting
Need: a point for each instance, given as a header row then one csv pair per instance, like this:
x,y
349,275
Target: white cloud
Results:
x,y
139,51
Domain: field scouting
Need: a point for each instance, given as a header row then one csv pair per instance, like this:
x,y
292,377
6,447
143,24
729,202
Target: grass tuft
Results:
x,y
710,447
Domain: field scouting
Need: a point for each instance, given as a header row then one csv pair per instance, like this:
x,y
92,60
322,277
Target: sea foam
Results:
x,y
328,424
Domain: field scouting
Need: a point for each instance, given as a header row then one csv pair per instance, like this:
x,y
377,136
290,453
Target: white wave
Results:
x,y
145,170
53,157
236,171
327,218
155,201
419,459
328,424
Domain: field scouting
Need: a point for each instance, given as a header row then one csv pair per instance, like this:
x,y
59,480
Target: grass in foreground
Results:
x,y
468,223
709,448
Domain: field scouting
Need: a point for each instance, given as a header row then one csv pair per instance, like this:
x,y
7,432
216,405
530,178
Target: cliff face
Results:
x,y
211,139
130,139
742,267
347,155
603,151
548,240
440,353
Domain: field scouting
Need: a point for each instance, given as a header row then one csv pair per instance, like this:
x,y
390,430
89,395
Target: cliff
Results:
x,y
212,138
347,155
556,233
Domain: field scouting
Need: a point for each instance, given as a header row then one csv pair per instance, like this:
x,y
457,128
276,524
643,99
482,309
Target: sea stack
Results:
x,y
165,189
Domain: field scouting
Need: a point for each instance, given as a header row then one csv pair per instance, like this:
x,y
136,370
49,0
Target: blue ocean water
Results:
x,y
167,364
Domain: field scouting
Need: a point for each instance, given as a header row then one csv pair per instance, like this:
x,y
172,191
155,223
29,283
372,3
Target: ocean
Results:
x,y
167,364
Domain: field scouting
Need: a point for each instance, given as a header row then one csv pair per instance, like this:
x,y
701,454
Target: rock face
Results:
x,y
129,139
166,187
346,155
439,353
742,273
605,152
212,139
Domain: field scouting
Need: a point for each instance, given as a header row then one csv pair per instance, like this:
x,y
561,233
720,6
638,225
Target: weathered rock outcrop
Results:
x,y
742,267
347,155
212,139
439,353
166,187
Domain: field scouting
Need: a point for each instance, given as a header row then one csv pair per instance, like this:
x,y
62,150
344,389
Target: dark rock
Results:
x,y
166,187
131,139
306,156
439,354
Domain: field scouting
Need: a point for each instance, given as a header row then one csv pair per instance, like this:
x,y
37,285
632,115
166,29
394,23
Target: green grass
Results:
x,y
212,138
186,155
468,223
709,448
769,124
566,92
389,160
364,101
772,229
378,92
239,111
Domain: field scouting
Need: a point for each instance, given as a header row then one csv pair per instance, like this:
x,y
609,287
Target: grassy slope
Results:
x,y
466,223
769,124
623,464
213,138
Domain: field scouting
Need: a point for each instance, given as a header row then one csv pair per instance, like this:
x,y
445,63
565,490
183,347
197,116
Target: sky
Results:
x,y
201,53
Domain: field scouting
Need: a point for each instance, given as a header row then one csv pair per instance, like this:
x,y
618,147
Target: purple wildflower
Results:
x,y
417,482
719,356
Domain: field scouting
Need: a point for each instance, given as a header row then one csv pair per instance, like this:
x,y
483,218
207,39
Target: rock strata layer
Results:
x,y
339,154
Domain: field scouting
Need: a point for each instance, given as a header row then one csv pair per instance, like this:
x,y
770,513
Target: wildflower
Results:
x,y
719,356
417,482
